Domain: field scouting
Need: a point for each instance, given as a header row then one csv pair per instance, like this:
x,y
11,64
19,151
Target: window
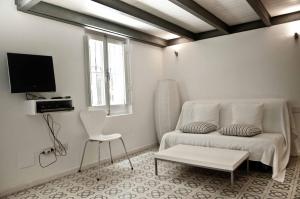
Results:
x,y
109,73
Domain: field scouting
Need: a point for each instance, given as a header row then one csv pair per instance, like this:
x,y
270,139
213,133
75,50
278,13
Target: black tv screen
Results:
x,y
30,73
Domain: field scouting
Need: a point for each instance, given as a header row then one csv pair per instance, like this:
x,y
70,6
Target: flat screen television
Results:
x,y
30,73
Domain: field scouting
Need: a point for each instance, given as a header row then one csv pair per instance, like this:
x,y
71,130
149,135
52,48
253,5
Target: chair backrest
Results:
x,y
93,122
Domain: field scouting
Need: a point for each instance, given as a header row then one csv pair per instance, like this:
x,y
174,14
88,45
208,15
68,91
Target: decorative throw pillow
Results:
x,y
248,113
242,130
198,127
206,113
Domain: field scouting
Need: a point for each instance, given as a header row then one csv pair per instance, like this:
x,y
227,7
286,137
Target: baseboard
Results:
x,y
70,171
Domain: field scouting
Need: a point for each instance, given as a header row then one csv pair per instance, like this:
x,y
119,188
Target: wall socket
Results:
x,y
47,151
50,150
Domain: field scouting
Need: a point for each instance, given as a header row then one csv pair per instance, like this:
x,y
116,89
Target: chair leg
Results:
x,y
83,153
126,153
98,177
111,160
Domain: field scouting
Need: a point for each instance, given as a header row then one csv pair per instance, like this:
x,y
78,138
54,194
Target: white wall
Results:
x,y
23,136
253,64
262,63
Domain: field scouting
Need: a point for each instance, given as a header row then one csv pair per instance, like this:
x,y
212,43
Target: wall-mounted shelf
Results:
x,y
41,106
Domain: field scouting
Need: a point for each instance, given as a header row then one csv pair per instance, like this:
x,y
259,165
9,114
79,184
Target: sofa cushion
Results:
x,y
242,130
248,113
207,112
198,127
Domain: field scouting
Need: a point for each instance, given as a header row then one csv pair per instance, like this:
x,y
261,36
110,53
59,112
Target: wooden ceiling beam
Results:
x,y
203,14
26,4
295,16
261,11
71,17
147,17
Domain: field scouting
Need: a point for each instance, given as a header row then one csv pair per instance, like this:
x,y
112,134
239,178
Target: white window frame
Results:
x,y
111,109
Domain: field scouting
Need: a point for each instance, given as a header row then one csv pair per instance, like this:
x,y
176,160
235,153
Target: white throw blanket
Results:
x,y
270,148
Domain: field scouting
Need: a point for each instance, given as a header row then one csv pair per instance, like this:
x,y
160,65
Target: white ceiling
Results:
x,y
171,12
97,10
280,7
231,12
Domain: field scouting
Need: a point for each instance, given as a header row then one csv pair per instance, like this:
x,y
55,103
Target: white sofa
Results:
x,y
272,147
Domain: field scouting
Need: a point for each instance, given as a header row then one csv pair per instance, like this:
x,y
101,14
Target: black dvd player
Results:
x,y
44,106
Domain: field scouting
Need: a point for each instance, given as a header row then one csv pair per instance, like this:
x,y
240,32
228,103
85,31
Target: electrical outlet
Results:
x,y
47,151
50,150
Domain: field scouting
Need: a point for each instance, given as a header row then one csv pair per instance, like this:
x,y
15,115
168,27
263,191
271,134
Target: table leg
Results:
x,y
232,177
155,165
248,165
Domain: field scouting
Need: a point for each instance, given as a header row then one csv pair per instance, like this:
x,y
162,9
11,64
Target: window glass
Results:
x,y
108,73
116,68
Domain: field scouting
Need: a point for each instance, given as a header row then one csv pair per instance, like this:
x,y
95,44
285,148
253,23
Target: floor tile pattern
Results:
x,y
174,181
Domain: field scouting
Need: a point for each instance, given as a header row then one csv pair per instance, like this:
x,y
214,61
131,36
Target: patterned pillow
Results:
x,y
198,127
243,130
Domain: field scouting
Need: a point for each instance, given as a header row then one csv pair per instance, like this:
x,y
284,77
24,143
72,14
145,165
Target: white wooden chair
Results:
x,y
93,122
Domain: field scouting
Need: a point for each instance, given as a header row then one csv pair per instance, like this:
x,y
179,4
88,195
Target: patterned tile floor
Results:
x,y
175,181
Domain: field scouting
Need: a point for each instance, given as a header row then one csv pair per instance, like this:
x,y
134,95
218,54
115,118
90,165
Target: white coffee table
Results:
x,y
206,157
